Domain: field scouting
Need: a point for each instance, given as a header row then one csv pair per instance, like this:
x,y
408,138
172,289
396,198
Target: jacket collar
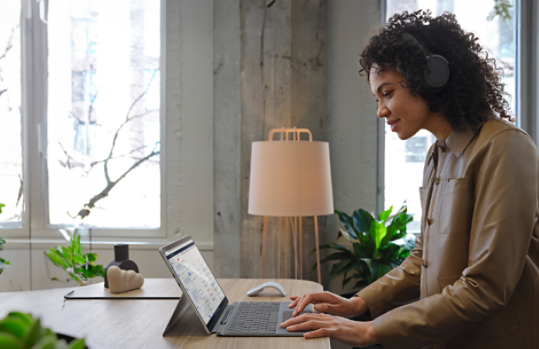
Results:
x,y
458,141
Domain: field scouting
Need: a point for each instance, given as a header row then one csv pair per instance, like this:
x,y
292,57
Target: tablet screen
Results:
x,y
196,279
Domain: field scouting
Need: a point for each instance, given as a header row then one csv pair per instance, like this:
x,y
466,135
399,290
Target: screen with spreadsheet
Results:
x,y
196,278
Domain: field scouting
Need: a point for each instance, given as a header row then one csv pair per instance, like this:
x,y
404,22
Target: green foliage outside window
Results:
x,y
502,8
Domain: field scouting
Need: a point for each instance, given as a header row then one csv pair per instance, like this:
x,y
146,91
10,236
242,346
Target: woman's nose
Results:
x,y
382,112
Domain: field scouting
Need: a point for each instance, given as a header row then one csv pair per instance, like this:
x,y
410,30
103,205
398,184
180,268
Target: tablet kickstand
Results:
x,y
182,306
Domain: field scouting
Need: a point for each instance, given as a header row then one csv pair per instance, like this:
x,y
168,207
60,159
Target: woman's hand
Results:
x,y
327,302
355,333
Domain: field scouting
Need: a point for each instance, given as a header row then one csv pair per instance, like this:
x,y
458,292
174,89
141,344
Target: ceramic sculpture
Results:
x,y
121,260
123,280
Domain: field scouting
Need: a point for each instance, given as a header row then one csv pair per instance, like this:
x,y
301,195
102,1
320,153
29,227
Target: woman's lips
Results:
x,y
394,125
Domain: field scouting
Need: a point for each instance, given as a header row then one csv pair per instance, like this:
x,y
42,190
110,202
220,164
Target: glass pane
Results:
x,y
404,159
11,193
103,113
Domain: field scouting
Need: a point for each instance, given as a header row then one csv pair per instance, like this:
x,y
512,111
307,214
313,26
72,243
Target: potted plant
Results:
x,y
80,267
3,262
21,331
371,249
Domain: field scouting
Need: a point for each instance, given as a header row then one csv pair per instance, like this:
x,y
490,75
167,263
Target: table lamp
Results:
x,y
290,178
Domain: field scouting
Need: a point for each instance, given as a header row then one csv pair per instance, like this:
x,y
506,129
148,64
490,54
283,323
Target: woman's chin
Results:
x,y
403,135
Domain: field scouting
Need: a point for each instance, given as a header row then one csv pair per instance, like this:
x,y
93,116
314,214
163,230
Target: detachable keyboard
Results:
x,y
256,319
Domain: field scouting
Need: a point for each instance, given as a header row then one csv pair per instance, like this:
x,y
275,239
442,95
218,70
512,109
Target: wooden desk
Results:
x,y
140,323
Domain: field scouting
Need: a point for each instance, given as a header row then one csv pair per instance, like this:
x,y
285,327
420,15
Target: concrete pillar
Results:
x,y
273,68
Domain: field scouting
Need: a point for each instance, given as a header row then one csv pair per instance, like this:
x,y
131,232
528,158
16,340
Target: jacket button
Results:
x,y
429,221
438,180
424,263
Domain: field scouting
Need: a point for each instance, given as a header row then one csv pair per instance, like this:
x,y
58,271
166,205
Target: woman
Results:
x,y
473,278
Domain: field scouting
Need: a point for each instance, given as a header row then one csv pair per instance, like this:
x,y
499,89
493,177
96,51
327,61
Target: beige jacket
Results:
x,y
475,265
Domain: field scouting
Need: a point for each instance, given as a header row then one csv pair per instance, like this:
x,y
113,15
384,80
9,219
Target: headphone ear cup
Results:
x,y
436,73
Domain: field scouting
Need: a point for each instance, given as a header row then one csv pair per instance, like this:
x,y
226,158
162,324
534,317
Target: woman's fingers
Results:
x,y
303,321
319,297
307,325
321,332
345,330
295,301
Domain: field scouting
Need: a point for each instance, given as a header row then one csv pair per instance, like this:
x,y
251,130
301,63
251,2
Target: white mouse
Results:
x,y
269,284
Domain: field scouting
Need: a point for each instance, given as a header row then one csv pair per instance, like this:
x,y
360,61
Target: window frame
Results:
x,y
34,71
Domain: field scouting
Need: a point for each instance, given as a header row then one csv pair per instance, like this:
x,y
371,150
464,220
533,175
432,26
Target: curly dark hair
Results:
x,y
474,87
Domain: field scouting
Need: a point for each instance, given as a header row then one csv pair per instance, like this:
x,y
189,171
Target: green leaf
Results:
x,y
362,220
346,280
9,341
397,228
361,251
1,205
360,284
384,214
348,222
77,344
337,256
3,262
379,269
92,257
31,333
47,342
79,259
330,245
388,252
26,318
377,232
403,253
337,246
13,325
66,255
357,265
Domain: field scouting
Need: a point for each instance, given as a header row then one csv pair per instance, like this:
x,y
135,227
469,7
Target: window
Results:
x,y
94,81
403,161
11,170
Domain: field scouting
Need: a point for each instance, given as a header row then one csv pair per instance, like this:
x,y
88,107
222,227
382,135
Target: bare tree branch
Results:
x,y
9,45
71,162
127,119
21,190
121,156
105,192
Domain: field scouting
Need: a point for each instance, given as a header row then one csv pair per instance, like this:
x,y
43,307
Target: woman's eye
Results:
x,y
386,94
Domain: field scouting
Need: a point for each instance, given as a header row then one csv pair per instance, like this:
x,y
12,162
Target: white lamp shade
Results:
x,y
290,179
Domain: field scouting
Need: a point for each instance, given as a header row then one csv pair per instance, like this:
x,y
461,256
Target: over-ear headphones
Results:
x,y
436,72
